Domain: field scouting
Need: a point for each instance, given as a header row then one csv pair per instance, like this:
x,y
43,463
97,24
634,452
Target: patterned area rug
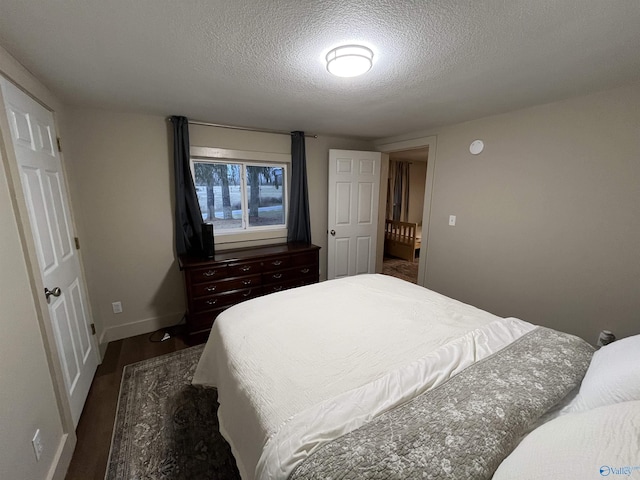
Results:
x,y
166,428
399,268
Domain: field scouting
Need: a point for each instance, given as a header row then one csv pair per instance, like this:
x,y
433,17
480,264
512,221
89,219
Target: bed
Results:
x,y
374,377
402,239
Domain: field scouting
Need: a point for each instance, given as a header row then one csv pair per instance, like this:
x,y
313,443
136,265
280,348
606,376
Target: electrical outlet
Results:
x,y
117,307
38,446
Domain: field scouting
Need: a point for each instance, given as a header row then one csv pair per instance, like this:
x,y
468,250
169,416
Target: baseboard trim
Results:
x,y
103,343
148,325
62,459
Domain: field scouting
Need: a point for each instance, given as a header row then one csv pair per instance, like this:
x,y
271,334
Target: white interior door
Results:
x,y
354,189
34,140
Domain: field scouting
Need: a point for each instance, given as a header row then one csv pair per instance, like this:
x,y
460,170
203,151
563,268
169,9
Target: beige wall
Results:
x,y
120,170
121,185
548,216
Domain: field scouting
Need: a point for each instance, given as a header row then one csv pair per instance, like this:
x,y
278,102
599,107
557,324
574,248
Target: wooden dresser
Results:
x,y
233,276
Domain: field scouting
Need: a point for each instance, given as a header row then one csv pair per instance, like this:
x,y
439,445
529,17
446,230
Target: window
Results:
x,y
241,196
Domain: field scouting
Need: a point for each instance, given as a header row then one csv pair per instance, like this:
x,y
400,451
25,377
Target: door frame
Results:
x,y
399,146
9,162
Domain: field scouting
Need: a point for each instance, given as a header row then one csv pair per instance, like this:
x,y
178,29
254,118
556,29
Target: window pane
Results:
x,y
265,197
219,195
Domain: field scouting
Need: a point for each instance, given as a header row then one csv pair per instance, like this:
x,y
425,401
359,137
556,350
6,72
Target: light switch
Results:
x,y
452,220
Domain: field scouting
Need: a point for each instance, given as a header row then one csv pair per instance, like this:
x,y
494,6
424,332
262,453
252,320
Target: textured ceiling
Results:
x,y
259,62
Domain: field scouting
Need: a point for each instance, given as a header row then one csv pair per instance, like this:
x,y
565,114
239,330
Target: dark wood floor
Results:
x,y
399,268
96,423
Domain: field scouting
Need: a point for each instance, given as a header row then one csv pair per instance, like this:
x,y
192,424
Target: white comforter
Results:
x,y
297,368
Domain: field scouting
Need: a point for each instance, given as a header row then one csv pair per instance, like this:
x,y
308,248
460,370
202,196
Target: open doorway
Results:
x,y
405,183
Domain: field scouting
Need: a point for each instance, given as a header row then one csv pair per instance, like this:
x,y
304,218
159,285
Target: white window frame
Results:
x,y
247,158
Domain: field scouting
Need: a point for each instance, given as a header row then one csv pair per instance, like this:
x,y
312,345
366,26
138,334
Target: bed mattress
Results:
x,y
298,367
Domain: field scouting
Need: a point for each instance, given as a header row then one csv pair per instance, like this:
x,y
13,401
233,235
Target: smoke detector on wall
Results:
x,y
476,147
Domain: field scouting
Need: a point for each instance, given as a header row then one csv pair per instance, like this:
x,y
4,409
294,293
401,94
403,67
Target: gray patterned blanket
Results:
x,y
465,427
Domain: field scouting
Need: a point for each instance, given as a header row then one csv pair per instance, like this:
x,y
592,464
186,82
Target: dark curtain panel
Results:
x,y
400,190
397,194
188,215
299,224
391,189
405,193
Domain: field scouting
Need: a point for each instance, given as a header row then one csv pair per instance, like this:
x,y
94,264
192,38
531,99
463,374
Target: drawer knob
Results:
x,y
305,270
212,301
246,268
277,275
276,263
278,288
209,273
246,294
246,282
211,289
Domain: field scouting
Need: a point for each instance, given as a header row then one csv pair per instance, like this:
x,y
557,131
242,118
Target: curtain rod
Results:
x,y
247,129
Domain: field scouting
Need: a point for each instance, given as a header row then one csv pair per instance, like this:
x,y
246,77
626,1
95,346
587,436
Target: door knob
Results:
x,y
333,233
56,292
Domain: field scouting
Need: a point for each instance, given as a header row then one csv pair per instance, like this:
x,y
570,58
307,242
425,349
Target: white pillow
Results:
x,y
612,377
592,444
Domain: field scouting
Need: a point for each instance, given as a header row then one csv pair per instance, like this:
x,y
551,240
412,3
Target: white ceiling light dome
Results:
x,y
349,60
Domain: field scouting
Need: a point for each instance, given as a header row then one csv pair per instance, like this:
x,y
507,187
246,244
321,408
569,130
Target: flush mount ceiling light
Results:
x,y
349,60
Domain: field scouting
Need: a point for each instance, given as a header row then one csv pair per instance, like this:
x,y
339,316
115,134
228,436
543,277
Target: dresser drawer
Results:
x,y
208,274
244,268
278,287
308,258
296,282
279,263
233,276
307,280
289,274
221,286
224,299
280,276
309,270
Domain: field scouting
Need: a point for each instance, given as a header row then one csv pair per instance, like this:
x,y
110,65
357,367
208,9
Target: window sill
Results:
x,y
255,236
